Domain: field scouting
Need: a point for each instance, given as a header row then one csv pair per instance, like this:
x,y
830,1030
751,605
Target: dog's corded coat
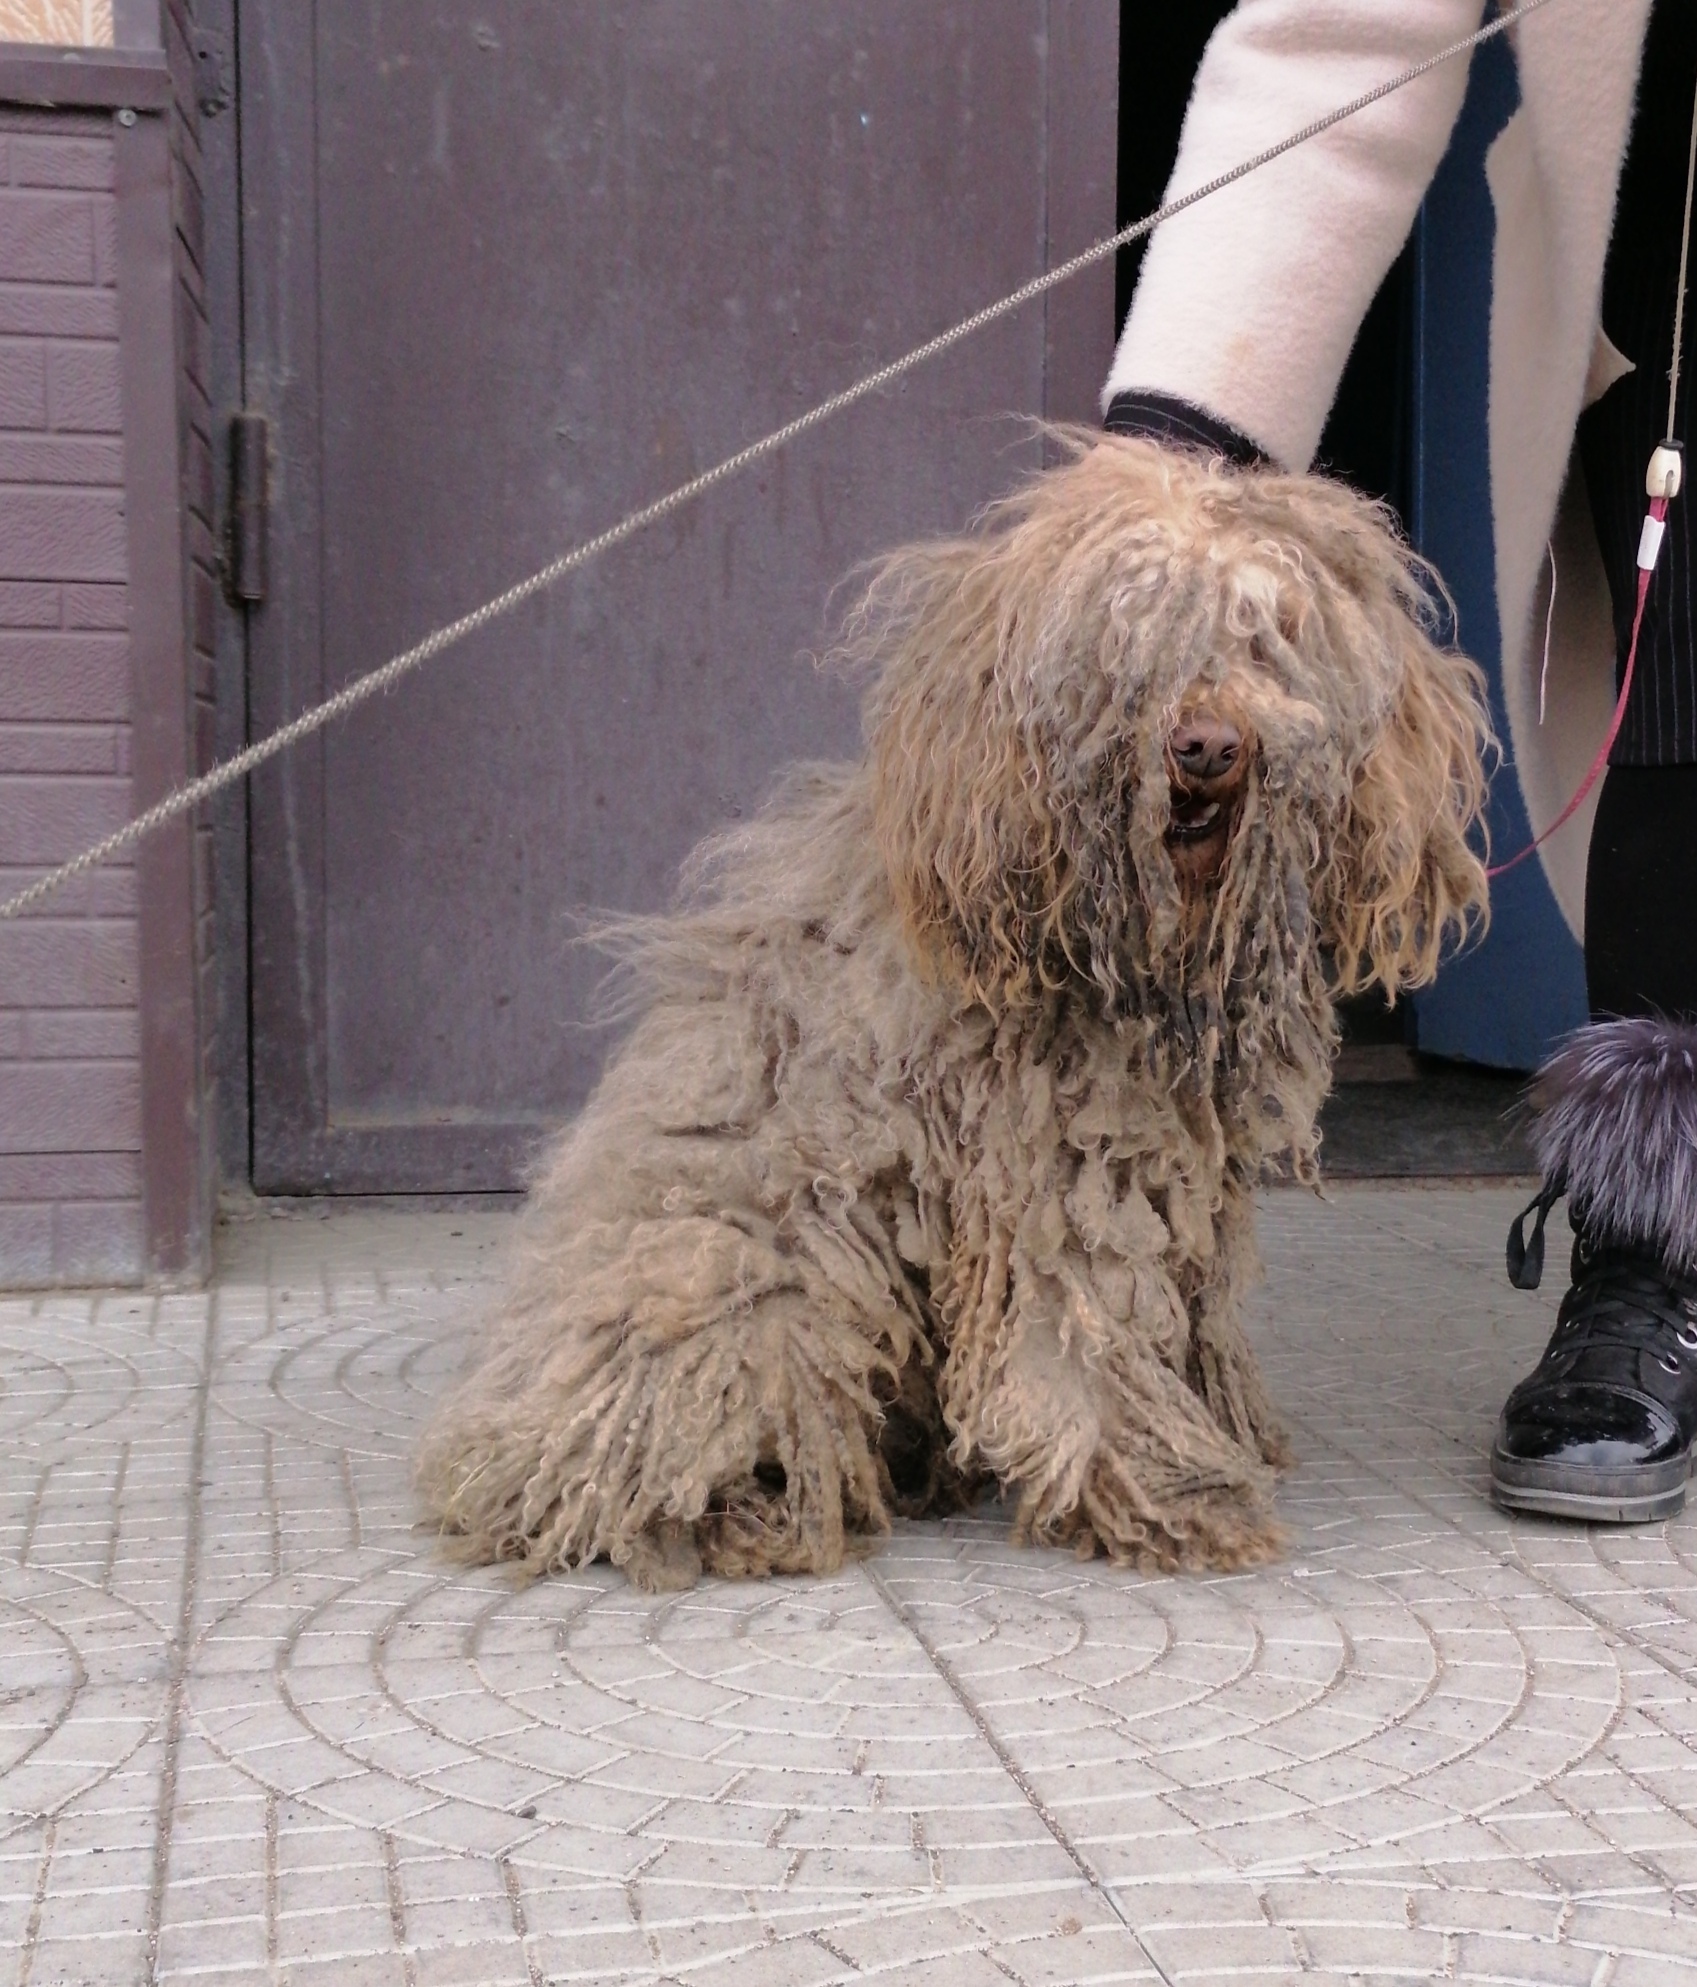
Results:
x,y
932,1150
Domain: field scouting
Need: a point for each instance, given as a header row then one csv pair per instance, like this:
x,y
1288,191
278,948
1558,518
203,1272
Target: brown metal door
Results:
x,y
509,270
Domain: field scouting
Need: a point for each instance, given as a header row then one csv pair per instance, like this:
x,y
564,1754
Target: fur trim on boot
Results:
x,y
1616,1122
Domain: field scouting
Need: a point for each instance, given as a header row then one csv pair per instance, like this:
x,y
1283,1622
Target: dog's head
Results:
x,y
1168,730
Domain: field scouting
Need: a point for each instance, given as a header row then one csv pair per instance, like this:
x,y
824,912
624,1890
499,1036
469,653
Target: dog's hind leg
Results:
x,y
705,1394
795,1481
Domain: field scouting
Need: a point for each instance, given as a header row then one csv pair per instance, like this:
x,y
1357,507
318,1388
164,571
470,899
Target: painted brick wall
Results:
x,y
200,544
85,21
70,1121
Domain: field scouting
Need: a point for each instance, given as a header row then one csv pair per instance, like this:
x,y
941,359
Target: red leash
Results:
x,y
1661,484
1649,546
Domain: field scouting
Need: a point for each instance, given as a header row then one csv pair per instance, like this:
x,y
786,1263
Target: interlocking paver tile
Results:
x,y
254,1729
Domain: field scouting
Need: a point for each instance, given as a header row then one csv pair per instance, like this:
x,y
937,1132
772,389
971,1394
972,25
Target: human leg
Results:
x,y
1605,1428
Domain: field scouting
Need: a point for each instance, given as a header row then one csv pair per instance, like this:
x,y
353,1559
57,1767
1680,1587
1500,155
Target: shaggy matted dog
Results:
x,y
931,1155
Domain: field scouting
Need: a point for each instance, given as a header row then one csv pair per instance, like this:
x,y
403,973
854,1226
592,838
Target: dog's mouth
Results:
x,y
1193,818
1208,758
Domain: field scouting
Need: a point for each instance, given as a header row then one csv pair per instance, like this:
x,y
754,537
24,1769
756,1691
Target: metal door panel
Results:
x,y
509,273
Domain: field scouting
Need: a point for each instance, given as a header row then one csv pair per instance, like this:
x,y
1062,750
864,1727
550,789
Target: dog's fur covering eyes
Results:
x,y
930,1154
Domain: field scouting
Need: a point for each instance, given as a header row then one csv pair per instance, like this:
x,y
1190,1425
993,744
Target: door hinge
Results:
x,y
247,528
211,72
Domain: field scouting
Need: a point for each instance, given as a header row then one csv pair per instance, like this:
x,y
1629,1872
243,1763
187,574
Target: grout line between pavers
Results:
x,y
181,1643
1012,1768
1612,1633
1512,1560
32,1931
397,1906
109,1565
521,1923
1425,1243
272,1910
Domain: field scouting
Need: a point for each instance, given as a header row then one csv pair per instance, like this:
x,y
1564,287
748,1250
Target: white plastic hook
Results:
x,y
1665,473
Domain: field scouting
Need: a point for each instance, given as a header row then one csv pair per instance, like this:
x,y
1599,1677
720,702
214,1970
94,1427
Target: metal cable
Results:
x,y
385,677
1679,295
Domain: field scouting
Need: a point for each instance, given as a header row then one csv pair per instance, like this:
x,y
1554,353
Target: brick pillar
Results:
x,y
104,1155
70,1078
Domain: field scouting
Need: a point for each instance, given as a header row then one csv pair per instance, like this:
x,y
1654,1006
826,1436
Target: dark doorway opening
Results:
x,y
1392,1112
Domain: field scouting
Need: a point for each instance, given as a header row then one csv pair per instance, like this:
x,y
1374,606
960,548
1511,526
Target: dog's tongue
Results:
x,y
1192,815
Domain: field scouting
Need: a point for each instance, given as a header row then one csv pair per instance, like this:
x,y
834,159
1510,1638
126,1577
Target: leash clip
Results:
x,y
1666,471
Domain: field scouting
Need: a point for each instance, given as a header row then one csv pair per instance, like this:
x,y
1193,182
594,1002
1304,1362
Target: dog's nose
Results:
x,y
1205,748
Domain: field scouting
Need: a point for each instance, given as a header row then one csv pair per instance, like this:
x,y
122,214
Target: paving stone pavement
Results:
x,y
253,1728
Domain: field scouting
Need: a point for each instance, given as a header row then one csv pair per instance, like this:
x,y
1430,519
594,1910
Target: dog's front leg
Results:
x,y
1073,1381
1223,1369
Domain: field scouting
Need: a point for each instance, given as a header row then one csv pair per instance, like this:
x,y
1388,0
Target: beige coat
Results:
x,y
1249,303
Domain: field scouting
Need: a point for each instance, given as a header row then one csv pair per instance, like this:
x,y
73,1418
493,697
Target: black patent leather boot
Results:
x,y
1604,1428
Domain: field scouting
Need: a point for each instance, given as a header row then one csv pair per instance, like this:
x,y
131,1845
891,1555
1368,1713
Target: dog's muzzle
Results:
x,y
1208,760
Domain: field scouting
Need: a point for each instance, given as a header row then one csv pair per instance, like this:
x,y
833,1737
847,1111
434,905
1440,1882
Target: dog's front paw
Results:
x,y
665,1560
786,1522
1173,1526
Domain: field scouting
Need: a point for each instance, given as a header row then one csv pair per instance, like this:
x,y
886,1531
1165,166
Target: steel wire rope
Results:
x,y
192,792
1684,265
